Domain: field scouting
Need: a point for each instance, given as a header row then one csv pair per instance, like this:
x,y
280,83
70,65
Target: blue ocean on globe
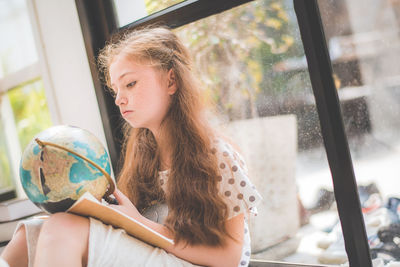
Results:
x,y
54,178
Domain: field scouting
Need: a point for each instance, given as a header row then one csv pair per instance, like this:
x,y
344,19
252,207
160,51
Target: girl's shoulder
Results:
x,y
228,152
235,186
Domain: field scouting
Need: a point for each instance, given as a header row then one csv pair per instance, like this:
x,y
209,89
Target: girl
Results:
x,y
171,155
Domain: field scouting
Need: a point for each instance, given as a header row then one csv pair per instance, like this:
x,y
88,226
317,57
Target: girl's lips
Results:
x,y
126,112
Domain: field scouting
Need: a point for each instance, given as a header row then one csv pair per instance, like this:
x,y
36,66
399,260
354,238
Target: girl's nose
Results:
x,y
120,99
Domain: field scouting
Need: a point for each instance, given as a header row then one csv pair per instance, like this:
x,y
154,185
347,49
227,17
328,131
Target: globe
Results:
x,y
62,163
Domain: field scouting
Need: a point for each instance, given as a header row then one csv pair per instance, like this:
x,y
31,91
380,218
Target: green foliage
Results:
x,y
235,52
30,110
157,5
5,172
31,116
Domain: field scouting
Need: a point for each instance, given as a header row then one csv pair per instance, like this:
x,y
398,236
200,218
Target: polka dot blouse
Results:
x,y
236,189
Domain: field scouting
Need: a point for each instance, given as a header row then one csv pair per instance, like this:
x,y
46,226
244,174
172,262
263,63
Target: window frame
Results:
x,y
60,81
8,83
98,22
28,74
333,132
40,69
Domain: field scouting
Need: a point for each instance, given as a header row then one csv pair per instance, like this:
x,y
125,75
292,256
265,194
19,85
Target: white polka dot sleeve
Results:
x,y
236,189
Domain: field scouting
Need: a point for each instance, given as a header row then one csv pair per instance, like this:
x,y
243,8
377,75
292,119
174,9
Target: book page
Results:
x,y
87,205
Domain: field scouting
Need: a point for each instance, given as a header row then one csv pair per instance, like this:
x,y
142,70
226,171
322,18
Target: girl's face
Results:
x,y
143,93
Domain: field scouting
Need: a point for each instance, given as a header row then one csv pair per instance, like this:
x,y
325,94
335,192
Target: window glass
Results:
x,y
364,46
24,113
154,6
252,68
128,11
30,110
17,47
5,171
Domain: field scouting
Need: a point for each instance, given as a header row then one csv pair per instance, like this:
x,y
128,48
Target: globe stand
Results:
x,y
111,182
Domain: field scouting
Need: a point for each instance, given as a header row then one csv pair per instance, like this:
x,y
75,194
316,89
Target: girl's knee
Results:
x,y
64,232
65,225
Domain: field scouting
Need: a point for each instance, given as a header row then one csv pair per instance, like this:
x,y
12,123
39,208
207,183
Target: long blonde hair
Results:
x,y
197,212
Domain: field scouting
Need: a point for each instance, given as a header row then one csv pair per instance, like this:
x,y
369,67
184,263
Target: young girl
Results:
x,y
171,155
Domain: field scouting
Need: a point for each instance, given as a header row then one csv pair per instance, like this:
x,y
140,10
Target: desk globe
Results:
x,y
62,163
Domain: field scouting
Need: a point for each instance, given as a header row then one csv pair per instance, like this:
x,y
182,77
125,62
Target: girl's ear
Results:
x,y
171,82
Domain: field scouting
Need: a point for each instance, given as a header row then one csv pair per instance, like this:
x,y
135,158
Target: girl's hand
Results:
x,y
125,205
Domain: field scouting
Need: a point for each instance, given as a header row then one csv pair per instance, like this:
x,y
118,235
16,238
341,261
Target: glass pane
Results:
x,y
252,67
153,6
9,148
128,11
17,47
5,171
30,110
364,45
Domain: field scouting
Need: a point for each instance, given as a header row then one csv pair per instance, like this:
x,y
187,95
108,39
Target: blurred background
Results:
x,y
253,72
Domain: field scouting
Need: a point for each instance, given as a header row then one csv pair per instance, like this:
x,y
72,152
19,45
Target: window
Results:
x,y
253,65
241,55
23,103
5,171
129,11
364,49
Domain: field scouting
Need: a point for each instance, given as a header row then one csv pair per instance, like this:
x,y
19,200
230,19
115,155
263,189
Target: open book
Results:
x,y
88,205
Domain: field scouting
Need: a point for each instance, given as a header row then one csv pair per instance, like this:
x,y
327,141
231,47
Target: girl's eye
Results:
x,y
131,84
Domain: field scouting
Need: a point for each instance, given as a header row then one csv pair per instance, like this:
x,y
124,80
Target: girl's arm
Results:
x,y
228,255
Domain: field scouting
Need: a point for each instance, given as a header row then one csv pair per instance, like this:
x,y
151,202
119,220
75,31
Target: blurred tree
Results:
x,y
5,172
31,116
234,52
30,110
156,5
